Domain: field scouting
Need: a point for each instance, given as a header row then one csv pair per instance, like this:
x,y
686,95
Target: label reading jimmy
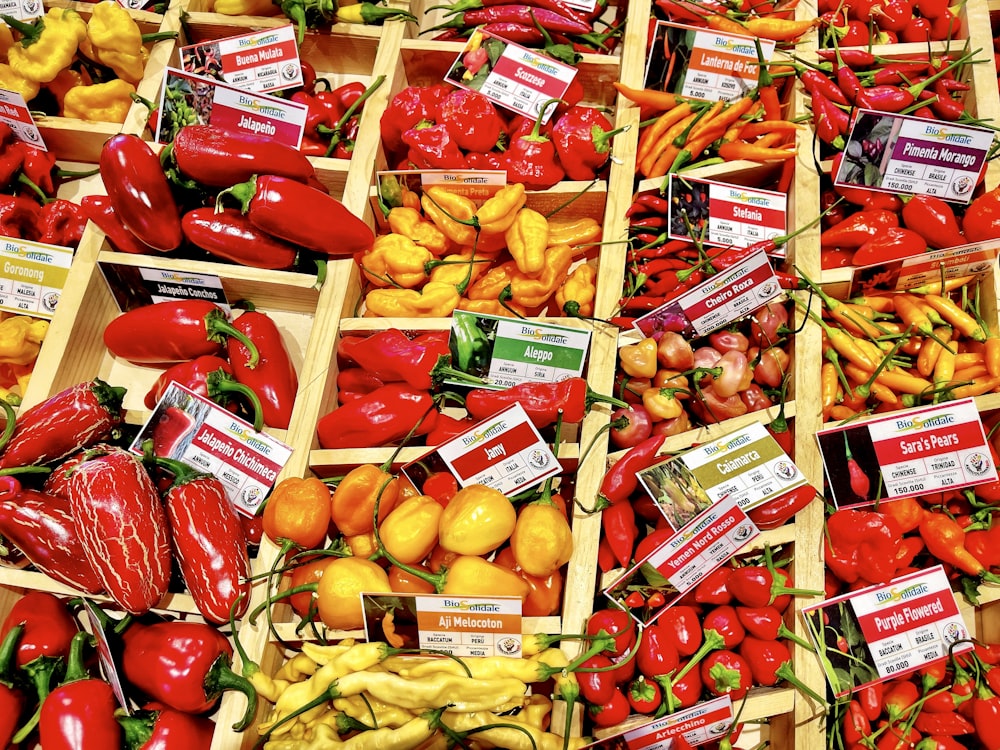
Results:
x,y
187,99
912,452
212,439
721,66
462,626
884,631
33,276
725,215
257,61
512,76
901,154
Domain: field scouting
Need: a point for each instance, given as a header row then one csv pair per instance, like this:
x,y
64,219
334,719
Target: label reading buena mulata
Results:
x,y
259,61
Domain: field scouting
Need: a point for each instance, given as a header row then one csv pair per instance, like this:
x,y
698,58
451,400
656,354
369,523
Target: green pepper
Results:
x,y
471,348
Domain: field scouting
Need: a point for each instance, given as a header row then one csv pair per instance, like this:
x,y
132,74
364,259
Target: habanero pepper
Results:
x,y
383,416
543,402
171,332
19,217
407,108
61,222
272,374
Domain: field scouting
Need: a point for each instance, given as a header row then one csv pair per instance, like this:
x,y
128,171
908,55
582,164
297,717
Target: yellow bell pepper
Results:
x,y
477,520
395,260
410,532
535,291
409,222
498,212
448,210
14,81
575,297
48,45
21,339
114,39
99,102
435,300
527,239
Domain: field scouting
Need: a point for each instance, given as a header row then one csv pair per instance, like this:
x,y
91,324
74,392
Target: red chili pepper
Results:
x,y
859,228
726,673
48,627
229,235
74,418
41,526
300,214
618,525
765,623
160,728
891,244
982,217
184,665
446,427
771,662
855,725
99,209
644,696
81,711
870,698
407,108
12,700
712,589
272,376
170,332
860,482
61,222
724,621
862,543
656,654
778,511
685,629
208,376
432,146
817,84
208,541
582,137
934,220
762,586
610,713
379,418
616,623
620,480
139,192
392,356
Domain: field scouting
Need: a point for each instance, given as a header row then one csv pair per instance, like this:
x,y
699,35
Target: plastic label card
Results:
x,y
210,438
259,61
136,286
462,626
14,113
700,724
187,99
883,631
900,154
33,276
975,259
908,453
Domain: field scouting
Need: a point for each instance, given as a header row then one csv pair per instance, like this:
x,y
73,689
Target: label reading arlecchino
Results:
x,y
504,452
723,299
725,215
721,67
701,723
257,61
187,99
512,76
33,276
748,466
506,352
910,452
974,259
201,433
901,154
15,114
459,625
135,286
677,565
886,630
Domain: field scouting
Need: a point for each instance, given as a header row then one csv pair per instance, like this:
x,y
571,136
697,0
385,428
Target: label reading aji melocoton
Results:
x,y
201,433
462,626
266,60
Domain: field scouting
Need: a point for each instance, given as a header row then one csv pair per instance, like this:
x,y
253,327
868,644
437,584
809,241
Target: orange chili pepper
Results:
x,y
651,135
768,96
884,394
755,129
662,100
880,304
737,151
969,359
298,512
945,539
992,355
777,29
840,412
961,320
663,152
719,22
944,368
907,512
931,349
978,387
908,311
828,388
969,373
897,379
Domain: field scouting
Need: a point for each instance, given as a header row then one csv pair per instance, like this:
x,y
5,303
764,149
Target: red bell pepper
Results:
x,y
407,108
157,727
229,235
208,541
81,711
379,418
42,527
532,160
171,332
184,665
48,627
543,402
471,119
272,377
211,377
71,419
100,210
432,146
123,527
139,192
301,215
218,157
582,138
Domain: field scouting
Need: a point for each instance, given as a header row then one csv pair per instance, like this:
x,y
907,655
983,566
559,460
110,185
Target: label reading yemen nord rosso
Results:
x,y
201,433
257,61
911,452
462,626
884,631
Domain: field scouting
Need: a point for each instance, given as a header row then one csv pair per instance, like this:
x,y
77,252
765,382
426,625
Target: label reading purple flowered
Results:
x,y
899,154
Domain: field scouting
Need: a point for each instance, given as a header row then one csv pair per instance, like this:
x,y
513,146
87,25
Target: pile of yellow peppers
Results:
x,y
373,697
58,52
500,258
21,339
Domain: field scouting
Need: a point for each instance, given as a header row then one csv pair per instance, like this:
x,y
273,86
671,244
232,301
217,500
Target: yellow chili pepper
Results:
x,y
14,81
99,102
471,575
48,45
499,212
6,40
576,295
661,403
500,733
454,269
493,282
114,39
931,349
362,708
443,207
639,360
20,339
409,222
246,8
352,505
492,307
298,511
527,239
395,260
535,291
66,80
478,519
410,531
435,300
956,316
325,737
542,541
